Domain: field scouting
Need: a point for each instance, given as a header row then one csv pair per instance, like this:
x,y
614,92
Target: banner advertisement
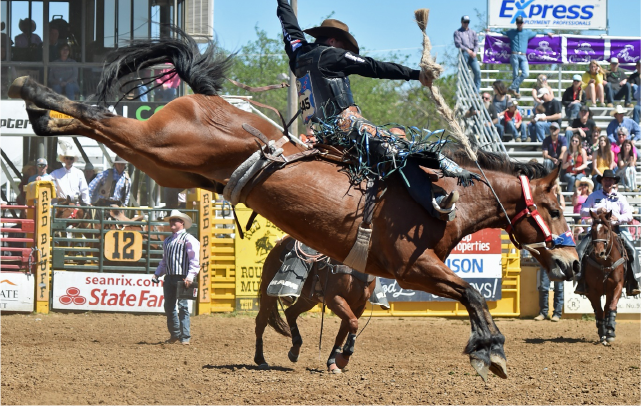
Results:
x,y
584,50
628,51
113,292
550,14
476,259
581,305
17,291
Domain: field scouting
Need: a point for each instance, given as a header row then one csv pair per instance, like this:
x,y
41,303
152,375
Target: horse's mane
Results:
x,y
203,72
499,162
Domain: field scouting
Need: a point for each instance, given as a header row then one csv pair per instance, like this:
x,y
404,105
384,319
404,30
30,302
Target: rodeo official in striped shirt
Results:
x,y
180,261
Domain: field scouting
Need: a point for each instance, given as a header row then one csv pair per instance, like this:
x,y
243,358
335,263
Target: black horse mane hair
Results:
x,y
203,72
500,162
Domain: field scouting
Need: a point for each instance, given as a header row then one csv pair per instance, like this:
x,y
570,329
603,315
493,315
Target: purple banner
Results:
x,y
584,50
497,49
544,50
628,51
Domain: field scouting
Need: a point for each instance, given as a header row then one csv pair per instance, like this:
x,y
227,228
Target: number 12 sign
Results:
x,y
123,245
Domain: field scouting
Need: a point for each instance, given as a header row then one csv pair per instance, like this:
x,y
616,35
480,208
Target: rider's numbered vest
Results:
x,y
108,187
319,97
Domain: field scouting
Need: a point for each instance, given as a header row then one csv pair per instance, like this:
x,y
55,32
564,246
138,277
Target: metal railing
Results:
x,y
480,124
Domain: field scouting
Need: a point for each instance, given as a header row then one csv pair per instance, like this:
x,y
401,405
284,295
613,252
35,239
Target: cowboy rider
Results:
x,y
603,201
111,185
322,69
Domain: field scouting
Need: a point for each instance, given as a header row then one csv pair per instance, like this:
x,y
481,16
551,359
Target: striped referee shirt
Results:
x,y
180,256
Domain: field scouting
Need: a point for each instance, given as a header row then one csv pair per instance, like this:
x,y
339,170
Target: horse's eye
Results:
x,y
555,214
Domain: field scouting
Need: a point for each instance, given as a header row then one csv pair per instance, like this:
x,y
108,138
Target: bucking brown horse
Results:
x,y
605,274
342,293
200,140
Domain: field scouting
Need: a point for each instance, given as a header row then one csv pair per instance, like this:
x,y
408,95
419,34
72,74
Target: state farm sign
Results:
x,y
107,292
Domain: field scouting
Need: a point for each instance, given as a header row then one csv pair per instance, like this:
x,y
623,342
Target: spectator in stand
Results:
x,y
501,98
90,172
28,39
635,81
620,121
64,80
582,125
28,171
627,171
583,188
518,47
573,98
487,102
541,82
575,162
603,160
540,124
513,121
590,146
112,185
622,135
41,171
636,113
616,85
467,41
554,147
169,85
593,83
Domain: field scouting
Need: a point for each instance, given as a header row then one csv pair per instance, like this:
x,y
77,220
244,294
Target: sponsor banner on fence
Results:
x,y
476,259
628,51
584,50
17,291
551,14
114,292
581,305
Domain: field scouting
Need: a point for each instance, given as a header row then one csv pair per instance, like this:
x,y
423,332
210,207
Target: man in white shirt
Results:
x,y
70,182
603,201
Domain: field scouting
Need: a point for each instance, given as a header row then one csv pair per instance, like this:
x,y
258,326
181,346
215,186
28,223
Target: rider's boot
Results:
x,y
632,285
580,286
444,205
632,268
452,170
580,279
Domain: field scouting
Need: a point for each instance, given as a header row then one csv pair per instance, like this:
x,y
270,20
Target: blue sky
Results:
x,y
381,26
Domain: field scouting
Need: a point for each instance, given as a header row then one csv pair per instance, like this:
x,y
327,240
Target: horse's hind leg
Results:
x,y
267,303
291,313
350,320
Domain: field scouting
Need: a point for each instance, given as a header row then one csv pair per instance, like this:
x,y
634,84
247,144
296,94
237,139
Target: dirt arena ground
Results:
x,y
118,359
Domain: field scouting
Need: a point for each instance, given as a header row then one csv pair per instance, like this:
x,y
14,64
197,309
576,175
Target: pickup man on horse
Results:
x,y
112,185
603,201
322,71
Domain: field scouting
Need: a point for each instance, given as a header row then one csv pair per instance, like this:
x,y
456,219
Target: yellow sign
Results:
x,y
252,251
57,114
123,245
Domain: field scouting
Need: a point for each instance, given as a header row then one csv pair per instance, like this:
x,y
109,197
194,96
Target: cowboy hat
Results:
x,y
584,180
618,110
608,173
332,28
175,214
66,148
120,160
24,27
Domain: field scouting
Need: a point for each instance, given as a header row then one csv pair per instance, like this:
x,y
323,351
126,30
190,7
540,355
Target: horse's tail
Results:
x,y
203,72
277,322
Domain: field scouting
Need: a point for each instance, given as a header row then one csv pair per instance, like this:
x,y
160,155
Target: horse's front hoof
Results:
x,y
609,339
480,367
498,366
341,361
333,369
293,357
264,366
15,90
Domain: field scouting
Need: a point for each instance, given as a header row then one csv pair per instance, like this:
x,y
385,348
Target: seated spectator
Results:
x,y
41,171
540,124
620,121
573,98
622,135
616,85
501,98
28,39
487,102
513,122
64,80
592,83
583,188
28,171
636,113
590,145
635,81
541,82
169,85
627,171
575,162
603,159
582,125
89,172
554,147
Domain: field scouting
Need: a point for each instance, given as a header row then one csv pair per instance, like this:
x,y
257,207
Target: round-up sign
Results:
x,y
123,245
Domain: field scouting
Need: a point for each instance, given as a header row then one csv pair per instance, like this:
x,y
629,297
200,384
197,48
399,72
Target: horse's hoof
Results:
x,y
341,361
16,87
480,367
264,366
498,366
333,369
610,339
292,357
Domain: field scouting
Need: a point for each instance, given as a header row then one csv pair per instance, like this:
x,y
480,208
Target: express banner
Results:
x,y
477,259
549,14
565,49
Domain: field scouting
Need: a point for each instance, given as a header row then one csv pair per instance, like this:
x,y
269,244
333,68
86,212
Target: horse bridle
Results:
x,y
551,240
608,269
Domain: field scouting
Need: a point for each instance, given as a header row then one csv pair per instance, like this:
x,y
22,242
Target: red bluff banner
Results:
x,y
476,259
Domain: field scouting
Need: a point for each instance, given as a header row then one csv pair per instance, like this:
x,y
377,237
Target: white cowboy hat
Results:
x,y
584,180
618,110
175,214
66,148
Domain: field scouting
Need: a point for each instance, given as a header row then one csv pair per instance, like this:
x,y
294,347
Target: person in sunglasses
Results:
x,y
41,171
70,182
603,201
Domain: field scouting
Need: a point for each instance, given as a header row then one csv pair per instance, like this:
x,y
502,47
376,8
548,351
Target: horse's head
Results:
x,y
540,227
64,212
601,233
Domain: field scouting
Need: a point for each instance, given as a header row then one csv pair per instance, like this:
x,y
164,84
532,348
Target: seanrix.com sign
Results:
x,y
476,259
550,14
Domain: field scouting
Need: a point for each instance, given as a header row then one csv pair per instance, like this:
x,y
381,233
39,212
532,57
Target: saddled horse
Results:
x,y
605,274
77,212
200,140
342,293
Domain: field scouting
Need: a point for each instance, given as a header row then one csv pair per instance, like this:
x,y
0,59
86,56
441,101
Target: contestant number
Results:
x,y
123,245
305,104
